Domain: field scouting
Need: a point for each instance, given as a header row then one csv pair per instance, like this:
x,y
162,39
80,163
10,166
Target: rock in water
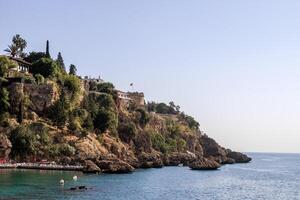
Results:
x,y
204,164
238,157
91,167
114,166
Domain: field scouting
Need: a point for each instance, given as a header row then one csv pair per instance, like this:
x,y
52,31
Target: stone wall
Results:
x,y
137,97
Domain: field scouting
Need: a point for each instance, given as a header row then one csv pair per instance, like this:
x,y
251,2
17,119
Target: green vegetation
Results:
x,y
163,108
106,119
4,101
78,112
60,62
29,140
143,117
72,70
17,47
39,79
5,64
47,50
34,56
46,67
59,111
73,86
127,131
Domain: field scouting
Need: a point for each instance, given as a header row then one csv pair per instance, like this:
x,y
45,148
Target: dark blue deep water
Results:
x,y
268,176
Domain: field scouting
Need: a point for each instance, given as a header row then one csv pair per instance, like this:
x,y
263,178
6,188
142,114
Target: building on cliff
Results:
x,y
22,67
127,98
88,80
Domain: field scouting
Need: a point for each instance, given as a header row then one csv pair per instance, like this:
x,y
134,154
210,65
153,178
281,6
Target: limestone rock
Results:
x,y
175,159
238,157
211,147
149,160
5,147
204,164
114,165
91,167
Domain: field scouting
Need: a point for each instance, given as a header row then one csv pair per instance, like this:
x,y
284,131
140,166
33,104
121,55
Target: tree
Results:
x,y
23,142
72,69
72,84
12,50
17,47
45,66
47,50
162,108
59,111
106,120
143,117
4,100
127,131
60,61
34,56
151,106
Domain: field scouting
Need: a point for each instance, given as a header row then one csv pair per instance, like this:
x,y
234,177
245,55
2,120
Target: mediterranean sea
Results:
x,y
268,176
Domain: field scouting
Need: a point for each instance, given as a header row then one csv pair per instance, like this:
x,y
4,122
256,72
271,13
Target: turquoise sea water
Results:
x,y
268,176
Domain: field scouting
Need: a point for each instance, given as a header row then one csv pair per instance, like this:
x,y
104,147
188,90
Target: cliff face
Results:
x,y
141,140
38,96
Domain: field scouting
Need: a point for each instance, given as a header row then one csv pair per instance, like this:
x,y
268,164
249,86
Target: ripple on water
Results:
x,y
268,176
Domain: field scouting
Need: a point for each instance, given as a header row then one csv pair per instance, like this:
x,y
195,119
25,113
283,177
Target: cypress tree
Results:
x,y
60,61
47,50
72,69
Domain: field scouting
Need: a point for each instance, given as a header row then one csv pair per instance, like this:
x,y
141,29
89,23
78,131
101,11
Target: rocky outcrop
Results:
x,y
91,167
109,164
238,157
211,148
204,164
41,96
175,159
5,147
150,160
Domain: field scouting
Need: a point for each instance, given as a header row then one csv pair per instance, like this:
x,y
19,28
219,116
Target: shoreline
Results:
x,y
38,166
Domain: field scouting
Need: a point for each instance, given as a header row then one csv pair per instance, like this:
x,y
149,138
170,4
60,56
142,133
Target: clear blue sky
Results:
x,y
233,65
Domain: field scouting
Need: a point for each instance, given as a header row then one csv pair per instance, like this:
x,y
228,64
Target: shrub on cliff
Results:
x,y
5,64
108,88
73,86
127,131
59,111
191,122
143,117
34,56
29,140
181,144
66,150
39,79
80,119
23,142
106,119
46,67
4,101
158,142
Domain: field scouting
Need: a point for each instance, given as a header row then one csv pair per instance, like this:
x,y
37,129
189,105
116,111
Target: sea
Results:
x,y
268,176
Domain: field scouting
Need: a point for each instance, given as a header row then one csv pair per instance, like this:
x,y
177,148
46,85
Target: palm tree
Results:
x,y
13,50
17,46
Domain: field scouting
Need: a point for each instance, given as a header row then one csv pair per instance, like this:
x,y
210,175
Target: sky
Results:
x,y
233,65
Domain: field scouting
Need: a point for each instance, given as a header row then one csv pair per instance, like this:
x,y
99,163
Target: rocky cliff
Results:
x,y
101,134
